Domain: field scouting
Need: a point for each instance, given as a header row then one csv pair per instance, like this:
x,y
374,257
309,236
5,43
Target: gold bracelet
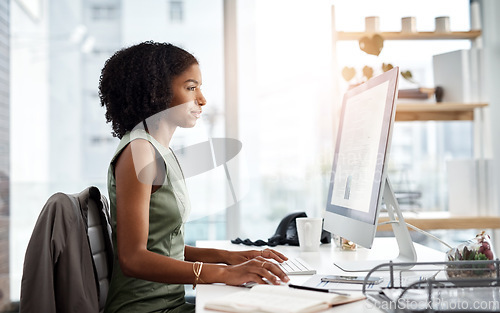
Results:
x,y
197,266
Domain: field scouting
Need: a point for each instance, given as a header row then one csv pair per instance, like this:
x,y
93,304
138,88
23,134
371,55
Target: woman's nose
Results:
x,y
201,100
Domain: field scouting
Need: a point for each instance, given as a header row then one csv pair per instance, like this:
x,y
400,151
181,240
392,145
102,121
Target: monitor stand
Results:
x,y
407,252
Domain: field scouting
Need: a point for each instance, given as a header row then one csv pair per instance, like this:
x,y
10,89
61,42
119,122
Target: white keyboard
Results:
x,y
296,266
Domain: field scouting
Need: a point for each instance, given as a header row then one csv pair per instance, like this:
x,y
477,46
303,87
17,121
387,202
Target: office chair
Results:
x,y
68,262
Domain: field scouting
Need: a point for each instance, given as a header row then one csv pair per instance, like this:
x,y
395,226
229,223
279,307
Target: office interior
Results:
x,y
272,75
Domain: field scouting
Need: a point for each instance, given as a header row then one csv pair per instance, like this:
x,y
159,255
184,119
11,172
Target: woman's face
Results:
x,y
185,108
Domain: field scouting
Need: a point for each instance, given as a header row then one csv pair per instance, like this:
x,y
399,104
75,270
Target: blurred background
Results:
x,y
272,81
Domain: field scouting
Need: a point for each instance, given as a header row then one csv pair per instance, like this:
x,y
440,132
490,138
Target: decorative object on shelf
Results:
x,y
418,93
475,15
421,93
439,93
371,44
387,67
348,73
367,72
408,76
459,73
442,24
372,24
409,24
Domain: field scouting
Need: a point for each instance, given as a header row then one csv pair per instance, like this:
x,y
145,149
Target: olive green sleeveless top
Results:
x,y
168,211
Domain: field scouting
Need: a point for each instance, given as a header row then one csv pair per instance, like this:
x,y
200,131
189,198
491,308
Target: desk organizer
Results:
x,y
455,286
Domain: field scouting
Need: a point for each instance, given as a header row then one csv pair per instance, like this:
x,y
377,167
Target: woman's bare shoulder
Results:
x,y
138,159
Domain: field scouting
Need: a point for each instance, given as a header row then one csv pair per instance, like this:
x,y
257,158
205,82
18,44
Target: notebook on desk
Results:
x,y
269,298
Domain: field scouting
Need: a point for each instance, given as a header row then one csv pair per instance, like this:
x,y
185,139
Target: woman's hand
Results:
x,y
255,270
238,257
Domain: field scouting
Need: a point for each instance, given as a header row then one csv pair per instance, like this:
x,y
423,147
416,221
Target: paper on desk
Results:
x,y
271,299
403,279
315,281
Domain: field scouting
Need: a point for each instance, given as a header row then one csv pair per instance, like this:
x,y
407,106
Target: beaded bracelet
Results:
x,y
197,266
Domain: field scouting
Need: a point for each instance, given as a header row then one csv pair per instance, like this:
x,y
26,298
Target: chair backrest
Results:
x,y
68,261
99,231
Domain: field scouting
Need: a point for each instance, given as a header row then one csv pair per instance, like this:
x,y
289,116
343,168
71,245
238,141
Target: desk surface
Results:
x,y
323,261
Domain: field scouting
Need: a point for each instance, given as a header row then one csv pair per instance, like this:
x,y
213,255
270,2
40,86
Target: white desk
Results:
x,y
383,248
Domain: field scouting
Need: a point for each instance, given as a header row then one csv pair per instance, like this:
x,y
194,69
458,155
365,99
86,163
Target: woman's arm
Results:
x,y
134,181
230,257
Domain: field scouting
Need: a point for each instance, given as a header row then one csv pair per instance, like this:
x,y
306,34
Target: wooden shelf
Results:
x,y
469,35
443,111
446,221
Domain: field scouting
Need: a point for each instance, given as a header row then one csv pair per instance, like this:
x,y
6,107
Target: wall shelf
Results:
x,y
468,35
444,220
409,110
443,111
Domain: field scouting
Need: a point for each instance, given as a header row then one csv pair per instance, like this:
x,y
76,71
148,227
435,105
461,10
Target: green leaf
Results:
x,y
481,257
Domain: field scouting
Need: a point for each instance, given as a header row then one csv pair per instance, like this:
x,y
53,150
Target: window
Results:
x,y
176,11
286,115
64,123
104,12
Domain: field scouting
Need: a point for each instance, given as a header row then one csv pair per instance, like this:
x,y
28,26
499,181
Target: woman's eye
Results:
x,y
192,88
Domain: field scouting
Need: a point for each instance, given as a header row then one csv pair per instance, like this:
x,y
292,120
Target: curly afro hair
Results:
x,y
136,82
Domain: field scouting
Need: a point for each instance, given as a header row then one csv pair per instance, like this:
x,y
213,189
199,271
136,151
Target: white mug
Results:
x,y
309,232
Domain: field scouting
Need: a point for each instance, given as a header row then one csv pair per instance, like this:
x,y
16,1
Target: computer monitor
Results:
x,y
359,180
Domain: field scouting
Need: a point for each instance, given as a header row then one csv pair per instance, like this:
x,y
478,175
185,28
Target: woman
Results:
x,y
148,91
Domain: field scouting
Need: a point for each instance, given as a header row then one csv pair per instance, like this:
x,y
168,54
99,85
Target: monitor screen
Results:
x,y
360,159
